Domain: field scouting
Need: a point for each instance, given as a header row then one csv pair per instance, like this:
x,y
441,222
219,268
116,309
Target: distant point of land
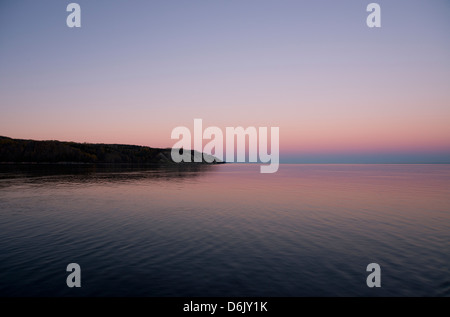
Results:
x,y
31,151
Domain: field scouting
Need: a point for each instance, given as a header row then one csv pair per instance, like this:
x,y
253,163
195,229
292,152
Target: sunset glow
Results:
x,y
332,85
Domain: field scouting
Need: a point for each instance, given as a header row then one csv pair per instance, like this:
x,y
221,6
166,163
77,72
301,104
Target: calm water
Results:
x,y
227,230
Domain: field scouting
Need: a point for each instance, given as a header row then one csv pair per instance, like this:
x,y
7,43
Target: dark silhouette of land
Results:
x,y
31,151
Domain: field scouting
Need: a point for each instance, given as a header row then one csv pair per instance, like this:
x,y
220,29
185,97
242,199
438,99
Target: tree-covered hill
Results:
x,y
31,151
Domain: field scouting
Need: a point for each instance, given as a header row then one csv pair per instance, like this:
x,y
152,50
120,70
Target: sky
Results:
x,y
339,91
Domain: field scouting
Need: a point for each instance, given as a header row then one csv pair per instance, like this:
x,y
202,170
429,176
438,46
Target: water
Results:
x,y
225,230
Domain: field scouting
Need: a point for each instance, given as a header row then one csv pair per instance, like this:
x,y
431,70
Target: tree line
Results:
x,y
31,151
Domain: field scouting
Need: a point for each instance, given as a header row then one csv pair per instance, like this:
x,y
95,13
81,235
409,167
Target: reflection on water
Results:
x,y
225,230
9,173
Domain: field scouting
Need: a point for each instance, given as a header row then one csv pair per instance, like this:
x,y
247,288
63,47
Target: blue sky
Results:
x,y
338,90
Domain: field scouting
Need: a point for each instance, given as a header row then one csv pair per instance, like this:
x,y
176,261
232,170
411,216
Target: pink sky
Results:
x,y
331,84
